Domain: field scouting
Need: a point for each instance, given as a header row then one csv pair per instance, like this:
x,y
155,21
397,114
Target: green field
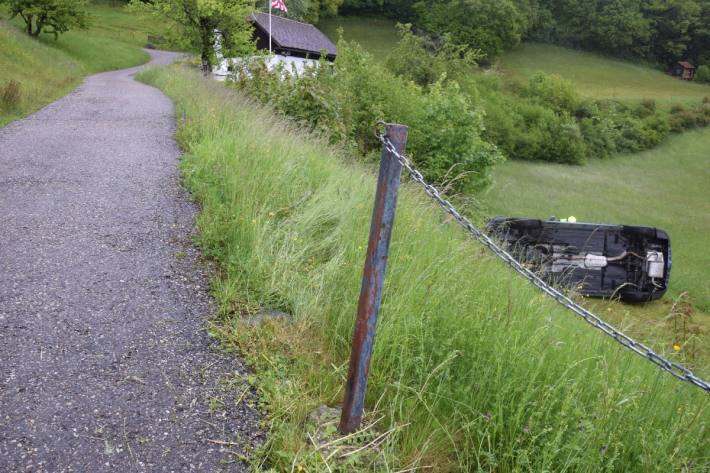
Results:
x,y
598,76
376,35
47,69
666,187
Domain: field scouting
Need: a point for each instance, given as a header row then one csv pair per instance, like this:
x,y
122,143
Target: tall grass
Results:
x,y
473,369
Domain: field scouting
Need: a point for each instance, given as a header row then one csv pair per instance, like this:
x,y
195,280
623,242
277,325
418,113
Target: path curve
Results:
x,y
105,364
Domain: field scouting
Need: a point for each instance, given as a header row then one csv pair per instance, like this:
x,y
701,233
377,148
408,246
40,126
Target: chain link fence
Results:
x,y
639,348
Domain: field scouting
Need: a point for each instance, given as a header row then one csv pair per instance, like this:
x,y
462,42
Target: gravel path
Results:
x,y
105,364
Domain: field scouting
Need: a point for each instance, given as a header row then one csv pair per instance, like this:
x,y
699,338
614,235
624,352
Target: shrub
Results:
x,y
646,108
677,108
703,74
11,94
528,130
344,103
553,91
425,60
449,145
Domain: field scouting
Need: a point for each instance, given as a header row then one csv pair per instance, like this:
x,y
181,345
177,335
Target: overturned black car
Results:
x,y
597,260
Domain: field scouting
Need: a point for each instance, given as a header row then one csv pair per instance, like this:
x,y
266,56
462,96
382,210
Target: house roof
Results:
x,y
291,34
686,64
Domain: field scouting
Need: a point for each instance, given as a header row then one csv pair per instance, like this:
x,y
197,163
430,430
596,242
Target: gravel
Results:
x,y
105,362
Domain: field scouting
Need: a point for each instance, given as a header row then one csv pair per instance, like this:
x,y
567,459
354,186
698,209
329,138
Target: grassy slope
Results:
x,y
48,69
44,73
665,187
601,77
473,369
376,35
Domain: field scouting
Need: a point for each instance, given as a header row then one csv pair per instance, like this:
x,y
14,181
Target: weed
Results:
x,y
11,94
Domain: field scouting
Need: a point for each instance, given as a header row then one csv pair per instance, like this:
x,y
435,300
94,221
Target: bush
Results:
x,y
703,74
425,60
528,130
646,108
346,100
552,90
449,146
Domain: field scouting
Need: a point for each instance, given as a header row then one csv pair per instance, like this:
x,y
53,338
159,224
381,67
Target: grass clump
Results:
x,y
11,94
473,370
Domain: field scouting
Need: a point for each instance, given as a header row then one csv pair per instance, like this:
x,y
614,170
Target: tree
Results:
x,y
622,29
489,25
198,22
49,16
671,21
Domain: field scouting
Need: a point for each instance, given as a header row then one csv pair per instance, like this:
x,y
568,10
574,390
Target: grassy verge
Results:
x,y
42,74
46,69
473,369
600,77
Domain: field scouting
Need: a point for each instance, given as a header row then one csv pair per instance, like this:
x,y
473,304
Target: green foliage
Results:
x,y
424,60
491,26
661,31
703,74
311,11
345,100
553,91
683,119
195,23
49,16
473,369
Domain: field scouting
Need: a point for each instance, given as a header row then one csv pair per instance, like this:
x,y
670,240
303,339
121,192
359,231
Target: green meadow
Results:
x,y
376,34
600,77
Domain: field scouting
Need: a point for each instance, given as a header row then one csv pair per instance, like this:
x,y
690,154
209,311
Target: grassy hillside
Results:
x,y
600,77
42,72
376,35
665,187
47,69
473,369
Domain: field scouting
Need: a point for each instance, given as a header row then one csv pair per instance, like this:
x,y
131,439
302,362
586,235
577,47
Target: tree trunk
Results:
x,y
28,22
206,46
39,25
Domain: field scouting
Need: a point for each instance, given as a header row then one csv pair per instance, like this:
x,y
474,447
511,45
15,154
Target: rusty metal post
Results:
x,y
373,279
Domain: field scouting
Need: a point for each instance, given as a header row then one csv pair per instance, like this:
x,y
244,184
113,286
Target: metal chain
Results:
x,y
675,369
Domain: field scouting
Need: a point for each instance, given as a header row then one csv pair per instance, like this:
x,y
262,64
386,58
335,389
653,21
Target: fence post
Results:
x,y
373,279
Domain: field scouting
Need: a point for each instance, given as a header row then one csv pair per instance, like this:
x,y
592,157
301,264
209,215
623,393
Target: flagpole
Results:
x,y
269,27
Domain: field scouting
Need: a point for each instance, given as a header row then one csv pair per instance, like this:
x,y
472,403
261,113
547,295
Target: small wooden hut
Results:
x,y
683,70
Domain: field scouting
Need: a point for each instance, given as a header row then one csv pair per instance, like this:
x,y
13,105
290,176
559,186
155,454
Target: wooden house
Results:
x,y
291,38
683,70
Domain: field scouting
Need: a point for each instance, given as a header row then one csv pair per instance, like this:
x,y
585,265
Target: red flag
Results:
x,y
279,5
